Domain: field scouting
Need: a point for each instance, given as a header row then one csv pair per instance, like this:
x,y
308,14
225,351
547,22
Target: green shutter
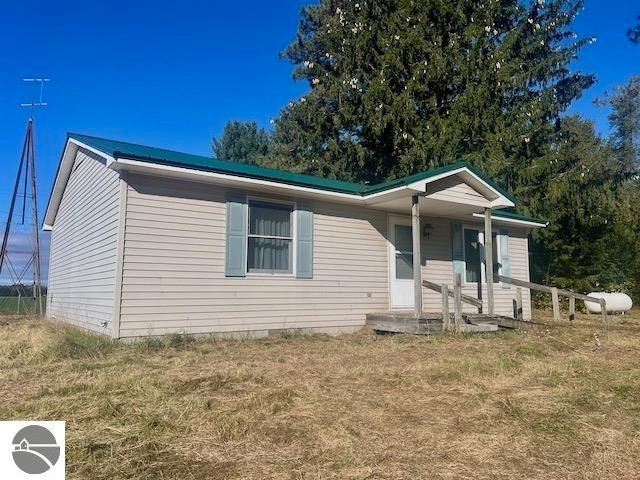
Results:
x,y
457,250
236,249
503,242
304,242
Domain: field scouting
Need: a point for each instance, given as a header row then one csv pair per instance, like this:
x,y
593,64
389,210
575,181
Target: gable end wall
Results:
x,y
82,265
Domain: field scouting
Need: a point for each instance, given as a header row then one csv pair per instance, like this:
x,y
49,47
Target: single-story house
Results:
x,y
147,241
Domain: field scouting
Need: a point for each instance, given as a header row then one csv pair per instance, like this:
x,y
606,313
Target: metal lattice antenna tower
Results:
x,y
28,163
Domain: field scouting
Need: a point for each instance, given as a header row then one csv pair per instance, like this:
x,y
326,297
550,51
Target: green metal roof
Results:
x,y
133,151
143,153
118,149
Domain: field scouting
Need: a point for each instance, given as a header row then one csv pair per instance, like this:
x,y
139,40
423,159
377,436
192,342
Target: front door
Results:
x,y
401,263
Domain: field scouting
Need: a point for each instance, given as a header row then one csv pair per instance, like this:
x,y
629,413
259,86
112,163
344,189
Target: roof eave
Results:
x,y
363,195
125,159
524,221
417,182
495,196
237,181
59,184
65,166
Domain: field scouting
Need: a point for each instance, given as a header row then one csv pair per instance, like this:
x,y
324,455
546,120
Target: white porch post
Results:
x,y
417,266
488,255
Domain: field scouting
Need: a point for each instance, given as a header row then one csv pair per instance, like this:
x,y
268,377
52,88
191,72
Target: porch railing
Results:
x,y
555,300
458,299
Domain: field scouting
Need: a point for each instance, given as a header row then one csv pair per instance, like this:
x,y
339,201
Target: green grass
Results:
x,y
11,305
74,343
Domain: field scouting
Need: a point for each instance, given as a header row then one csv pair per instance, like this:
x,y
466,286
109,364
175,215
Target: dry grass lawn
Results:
x,y
558,402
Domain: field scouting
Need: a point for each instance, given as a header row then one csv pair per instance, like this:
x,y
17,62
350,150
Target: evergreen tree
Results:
x,y
400,86
625,121
579,195
241,142
624,243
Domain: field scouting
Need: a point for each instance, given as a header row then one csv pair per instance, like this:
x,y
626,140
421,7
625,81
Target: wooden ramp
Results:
x,y
502,321
405,322
427,324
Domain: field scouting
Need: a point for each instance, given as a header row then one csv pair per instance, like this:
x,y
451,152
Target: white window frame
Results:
x,y
293,238
483,274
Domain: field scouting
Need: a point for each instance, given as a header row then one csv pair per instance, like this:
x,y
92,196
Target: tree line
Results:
x,y
401,86
19,289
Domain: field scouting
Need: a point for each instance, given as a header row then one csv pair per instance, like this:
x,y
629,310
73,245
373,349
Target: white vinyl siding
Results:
x,y
173,236
174,277
454,189
82,268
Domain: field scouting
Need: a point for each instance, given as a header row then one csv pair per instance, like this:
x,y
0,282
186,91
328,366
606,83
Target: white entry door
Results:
x,y
401,263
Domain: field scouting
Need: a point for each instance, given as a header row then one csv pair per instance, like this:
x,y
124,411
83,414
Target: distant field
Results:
x,y
559,402
9,305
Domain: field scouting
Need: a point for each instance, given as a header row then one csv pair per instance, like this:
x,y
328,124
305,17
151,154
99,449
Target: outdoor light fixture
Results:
x,y
426,230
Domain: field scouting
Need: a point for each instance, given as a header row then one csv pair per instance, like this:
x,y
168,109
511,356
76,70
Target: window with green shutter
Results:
x,y
270,238
267,237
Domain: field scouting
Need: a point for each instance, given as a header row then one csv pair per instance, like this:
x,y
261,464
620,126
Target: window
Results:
x,y
474,259
270,238
404,252
473,273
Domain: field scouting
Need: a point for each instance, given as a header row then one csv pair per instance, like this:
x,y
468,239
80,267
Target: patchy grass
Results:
x,y
557,402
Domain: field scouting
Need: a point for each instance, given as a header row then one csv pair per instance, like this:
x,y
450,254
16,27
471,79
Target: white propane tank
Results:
x,y
616,302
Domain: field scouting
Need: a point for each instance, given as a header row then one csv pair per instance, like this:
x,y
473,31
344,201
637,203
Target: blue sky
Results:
x,y
172,73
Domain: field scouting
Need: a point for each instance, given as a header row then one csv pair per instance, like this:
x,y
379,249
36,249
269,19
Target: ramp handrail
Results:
x,y
465,298
458,298
555,293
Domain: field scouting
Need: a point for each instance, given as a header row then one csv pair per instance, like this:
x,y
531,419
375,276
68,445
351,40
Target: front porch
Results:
x,y
462,248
